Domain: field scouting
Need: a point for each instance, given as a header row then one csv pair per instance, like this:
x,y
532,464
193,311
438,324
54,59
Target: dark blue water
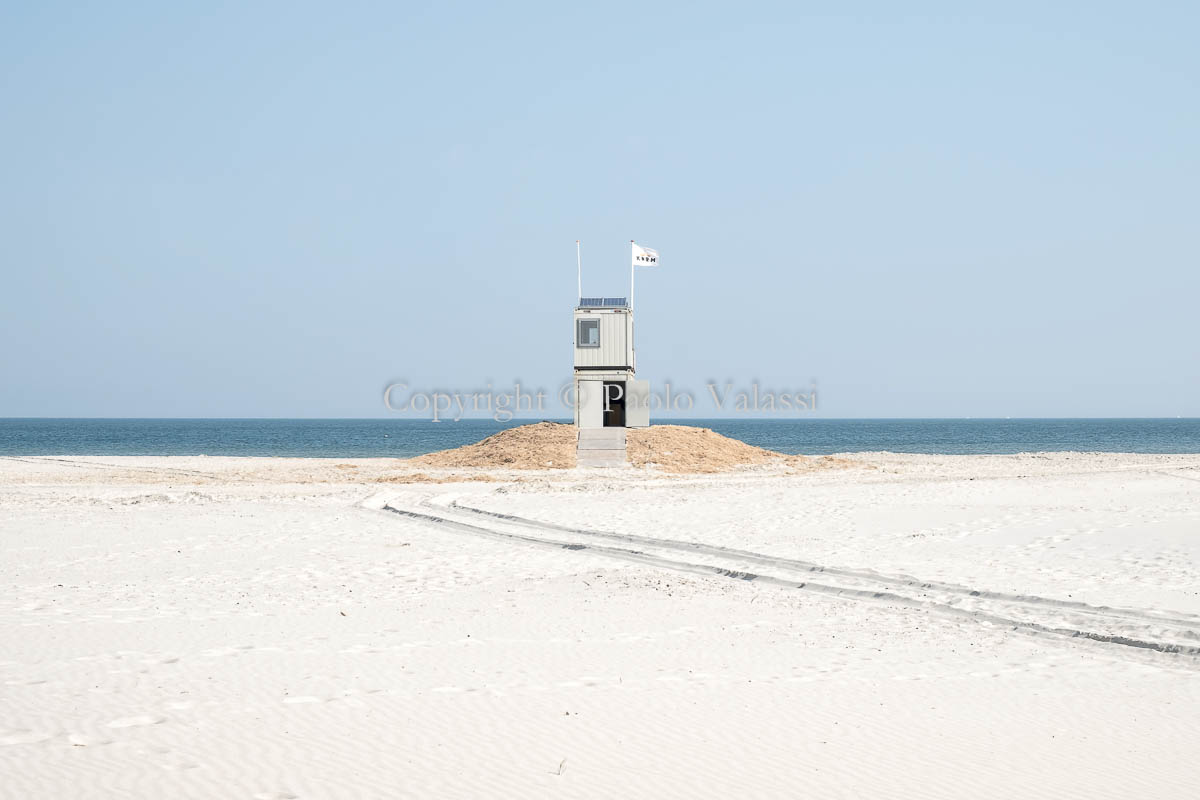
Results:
x,y
357,438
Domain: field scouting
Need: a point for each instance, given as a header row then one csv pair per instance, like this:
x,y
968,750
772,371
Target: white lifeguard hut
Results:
x,y
608,396
607,393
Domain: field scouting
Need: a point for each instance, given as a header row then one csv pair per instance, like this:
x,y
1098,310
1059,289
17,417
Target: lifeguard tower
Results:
x,y
607,394
608,398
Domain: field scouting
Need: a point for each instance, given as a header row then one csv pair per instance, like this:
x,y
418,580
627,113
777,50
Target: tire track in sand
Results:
x,y
1183,621
1020,616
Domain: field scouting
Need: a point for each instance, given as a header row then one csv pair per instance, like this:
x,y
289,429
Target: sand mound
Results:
x,y
682,448
543,445
672,448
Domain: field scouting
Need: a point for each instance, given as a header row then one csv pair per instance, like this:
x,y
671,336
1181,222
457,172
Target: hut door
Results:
x,y
591,404
637,404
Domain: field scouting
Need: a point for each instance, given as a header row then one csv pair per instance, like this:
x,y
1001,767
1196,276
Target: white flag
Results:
x,y
644,256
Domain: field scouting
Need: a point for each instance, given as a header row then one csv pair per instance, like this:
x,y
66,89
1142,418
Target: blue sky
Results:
x,y
276,210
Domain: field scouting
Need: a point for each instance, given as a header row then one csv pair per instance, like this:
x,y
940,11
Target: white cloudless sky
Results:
x,y
276,210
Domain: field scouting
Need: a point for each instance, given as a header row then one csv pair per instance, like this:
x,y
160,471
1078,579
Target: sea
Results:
x,y
394,438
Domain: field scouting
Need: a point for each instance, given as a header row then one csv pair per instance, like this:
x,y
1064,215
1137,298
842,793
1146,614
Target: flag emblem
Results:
x,y
644,256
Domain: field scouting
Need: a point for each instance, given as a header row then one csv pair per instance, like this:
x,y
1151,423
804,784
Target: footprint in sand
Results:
x,y
78,740
133,722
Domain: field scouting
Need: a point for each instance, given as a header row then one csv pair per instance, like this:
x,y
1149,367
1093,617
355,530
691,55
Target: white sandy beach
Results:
x,y
910,626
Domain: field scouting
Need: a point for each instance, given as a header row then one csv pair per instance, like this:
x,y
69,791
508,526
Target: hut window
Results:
x,y
588,334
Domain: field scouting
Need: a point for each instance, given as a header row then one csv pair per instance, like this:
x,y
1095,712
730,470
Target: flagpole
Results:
x,y
579,269
631,274
631,269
